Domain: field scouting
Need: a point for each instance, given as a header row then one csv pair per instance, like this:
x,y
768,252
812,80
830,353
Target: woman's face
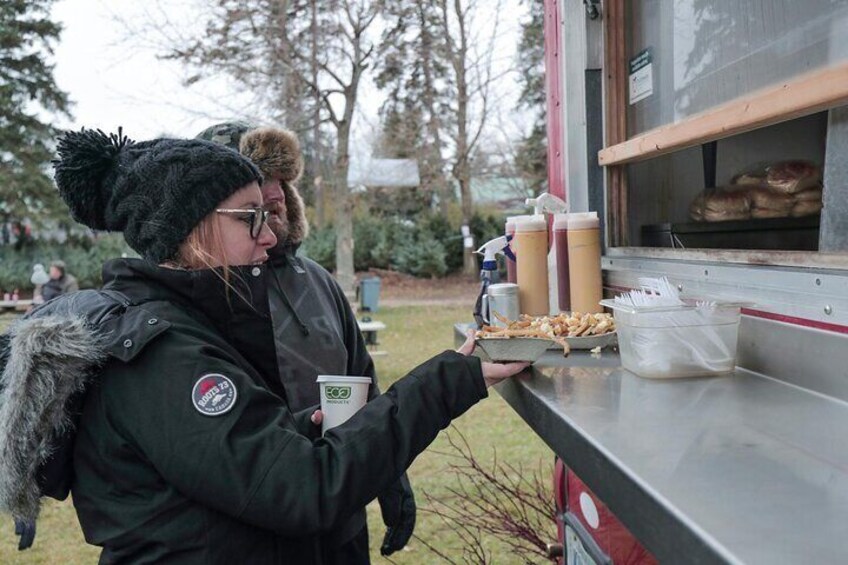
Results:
x,y
239,247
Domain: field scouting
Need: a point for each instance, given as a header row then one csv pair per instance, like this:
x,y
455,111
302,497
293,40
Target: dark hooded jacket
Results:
x,y
315,329
156,480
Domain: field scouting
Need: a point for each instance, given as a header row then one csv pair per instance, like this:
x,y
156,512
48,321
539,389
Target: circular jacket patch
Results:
x,y
213,394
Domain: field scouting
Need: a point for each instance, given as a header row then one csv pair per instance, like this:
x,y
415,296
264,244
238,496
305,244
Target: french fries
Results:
x,y
556,328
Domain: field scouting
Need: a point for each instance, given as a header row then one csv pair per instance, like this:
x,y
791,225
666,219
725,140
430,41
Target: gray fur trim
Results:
x,y
50,359
277,153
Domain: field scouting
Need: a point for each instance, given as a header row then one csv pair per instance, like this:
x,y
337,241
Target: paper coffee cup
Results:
x,y
341,398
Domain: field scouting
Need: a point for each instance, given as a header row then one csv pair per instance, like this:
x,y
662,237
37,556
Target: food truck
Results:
x,y
692,127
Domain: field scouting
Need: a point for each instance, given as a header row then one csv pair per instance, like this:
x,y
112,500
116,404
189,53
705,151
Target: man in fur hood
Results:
x,y
315,333
277,154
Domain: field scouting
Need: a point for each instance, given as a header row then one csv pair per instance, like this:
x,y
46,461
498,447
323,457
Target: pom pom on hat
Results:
x,y
86,160
155,192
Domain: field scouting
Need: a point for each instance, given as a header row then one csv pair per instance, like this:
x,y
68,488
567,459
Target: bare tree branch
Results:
x,y
512,504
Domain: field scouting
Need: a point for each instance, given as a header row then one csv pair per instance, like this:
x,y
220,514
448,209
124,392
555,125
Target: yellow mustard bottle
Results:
x,y
584,262
531,263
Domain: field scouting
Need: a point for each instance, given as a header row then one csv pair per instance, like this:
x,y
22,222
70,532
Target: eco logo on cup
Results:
x,y
341,398
337,394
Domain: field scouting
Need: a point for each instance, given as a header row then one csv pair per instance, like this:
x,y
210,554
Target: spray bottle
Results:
x,y
489,270
551,204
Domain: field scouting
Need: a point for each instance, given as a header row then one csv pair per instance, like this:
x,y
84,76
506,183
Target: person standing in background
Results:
x,y
61,282
38,279
315,330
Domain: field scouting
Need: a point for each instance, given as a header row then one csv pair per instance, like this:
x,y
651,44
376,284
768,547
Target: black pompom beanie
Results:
x,y
155,192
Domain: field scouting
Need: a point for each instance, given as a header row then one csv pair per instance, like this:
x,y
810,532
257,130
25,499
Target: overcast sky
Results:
x,y
114,83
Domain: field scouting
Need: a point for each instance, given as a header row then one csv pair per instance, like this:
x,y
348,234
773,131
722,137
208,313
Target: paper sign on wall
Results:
x,y
641,76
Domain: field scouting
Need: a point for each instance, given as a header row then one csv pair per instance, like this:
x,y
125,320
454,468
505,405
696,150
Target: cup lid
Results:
x,y
342,379
583,221
535,222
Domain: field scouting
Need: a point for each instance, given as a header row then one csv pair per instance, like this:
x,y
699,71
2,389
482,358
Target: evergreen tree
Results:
x,y
532,155
27,90
413,70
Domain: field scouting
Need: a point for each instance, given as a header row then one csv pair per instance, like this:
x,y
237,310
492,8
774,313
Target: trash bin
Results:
x,y
369,294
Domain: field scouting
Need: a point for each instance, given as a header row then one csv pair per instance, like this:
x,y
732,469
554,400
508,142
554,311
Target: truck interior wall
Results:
x,y
662,189
833,234
595,142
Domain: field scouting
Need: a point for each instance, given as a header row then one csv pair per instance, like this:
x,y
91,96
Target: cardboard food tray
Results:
x,y
514,348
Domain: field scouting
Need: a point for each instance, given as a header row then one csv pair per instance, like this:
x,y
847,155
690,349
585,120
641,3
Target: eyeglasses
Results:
x,y
255,218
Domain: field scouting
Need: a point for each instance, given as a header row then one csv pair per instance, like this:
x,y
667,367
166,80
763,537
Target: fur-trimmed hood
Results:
x,y
48,359
50,362
277,153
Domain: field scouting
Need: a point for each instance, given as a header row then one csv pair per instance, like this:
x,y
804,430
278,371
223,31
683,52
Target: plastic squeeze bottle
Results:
x,y
548,203
531,250
489,271
509,230
562,292
584,262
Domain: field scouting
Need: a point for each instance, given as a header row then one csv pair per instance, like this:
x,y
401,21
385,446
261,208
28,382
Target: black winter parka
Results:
x,y
157,479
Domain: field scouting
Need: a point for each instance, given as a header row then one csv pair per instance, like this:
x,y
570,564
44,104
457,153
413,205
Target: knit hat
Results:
x,y
276,152
155,192
227,133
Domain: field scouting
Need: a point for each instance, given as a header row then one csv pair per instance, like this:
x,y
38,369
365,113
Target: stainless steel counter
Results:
x,y
738,469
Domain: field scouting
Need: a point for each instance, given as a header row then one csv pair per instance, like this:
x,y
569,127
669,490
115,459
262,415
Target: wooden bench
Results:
x,y
15,305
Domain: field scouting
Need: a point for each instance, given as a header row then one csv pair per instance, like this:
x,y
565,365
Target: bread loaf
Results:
x,y
725,215
749,179
730,202
696,209
809,195
793,176
762,213
720,205
764,197
806,208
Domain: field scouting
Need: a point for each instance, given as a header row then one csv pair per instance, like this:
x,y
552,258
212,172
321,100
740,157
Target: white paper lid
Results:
x,y
343,379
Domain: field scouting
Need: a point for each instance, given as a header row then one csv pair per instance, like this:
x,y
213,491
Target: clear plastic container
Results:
x,y
677,341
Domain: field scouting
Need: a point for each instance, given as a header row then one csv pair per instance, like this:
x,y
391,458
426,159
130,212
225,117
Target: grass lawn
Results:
x,y
414,334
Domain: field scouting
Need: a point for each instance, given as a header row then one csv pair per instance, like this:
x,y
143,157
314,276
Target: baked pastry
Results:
x,y
764,197
811,194
763,213
806,208
720,205
793,176
749,179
